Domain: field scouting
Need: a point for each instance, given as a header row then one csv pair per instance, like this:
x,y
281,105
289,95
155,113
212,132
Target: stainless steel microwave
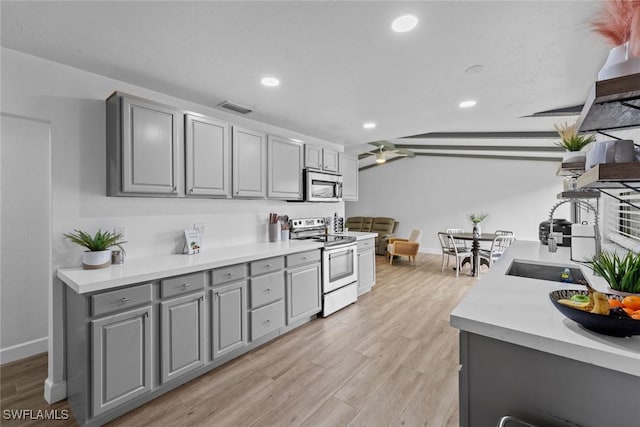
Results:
x,y
322,187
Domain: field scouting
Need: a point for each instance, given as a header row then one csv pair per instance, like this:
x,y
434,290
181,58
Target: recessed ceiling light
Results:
x,y
404,23
295,140
369,125
270,81
467,104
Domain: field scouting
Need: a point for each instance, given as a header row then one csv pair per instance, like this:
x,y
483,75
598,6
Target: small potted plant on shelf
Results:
x,y
621,272
572,142
476,219
98,245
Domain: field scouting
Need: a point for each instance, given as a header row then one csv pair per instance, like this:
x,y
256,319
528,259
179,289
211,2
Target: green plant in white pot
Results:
x,y
98,245
621,272
572,142
476,219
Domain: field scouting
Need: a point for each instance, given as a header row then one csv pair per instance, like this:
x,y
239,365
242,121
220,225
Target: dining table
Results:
x,y
475,259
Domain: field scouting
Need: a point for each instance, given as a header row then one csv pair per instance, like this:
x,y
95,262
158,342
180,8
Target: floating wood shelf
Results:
x,y
579,194
571,169
611,175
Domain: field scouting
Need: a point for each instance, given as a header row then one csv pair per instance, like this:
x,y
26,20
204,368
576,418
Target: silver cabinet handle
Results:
x,y
268,290
174,189
267,266
266,322
304,257
228,275
125,299
186,285
191,190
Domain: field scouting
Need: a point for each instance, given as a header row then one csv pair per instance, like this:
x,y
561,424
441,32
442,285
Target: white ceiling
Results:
x,y
339,62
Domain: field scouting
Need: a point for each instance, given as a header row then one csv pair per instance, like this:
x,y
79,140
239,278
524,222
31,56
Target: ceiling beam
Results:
x,y
553,148
485,135
490,156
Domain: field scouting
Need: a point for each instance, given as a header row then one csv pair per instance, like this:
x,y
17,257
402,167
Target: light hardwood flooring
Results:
x,y
390,359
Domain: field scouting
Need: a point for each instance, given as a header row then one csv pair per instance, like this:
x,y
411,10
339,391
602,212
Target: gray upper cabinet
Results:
x,y
142,147
121,358
207,157
312,157
285,169
229,318
349,171
182,335
329,160
249,163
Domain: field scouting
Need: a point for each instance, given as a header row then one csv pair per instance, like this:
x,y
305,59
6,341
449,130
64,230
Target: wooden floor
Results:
x,y
390,359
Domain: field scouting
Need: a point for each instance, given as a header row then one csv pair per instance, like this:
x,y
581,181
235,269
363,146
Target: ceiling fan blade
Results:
x,y
384,144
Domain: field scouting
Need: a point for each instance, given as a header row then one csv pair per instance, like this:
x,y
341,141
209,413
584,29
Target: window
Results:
x,y
622,221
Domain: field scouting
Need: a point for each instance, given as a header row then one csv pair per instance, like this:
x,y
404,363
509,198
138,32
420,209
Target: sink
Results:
x,y
550,272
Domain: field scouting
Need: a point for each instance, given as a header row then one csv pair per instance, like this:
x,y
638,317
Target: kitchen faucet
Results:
x,y
551,241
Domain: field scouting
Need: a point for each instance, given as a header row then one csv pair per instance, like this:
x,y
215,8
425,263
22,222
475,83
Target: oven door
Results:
x,y
322,187
339,267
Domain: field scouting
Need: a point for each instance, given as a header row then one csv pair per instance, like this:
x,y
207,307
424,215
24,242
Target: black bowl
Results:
x,y
613,325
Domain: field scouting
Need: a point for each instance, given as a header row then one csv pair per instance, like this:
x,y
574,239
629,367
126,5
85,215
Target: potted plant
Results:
x,y
572,142
476,219
621,272
98,245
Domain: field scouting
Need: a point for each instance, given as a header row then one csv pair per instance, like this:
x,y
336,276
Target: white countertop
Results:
x,y
146,269
518,310
360,235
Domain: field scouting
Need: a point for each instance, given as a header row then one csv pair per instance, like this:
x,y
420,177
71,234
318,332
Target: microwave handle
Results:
x,y
339,190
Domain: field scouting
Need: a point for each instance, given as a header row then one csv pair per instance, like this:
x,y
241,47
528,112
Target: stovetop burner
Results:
x,y
313,229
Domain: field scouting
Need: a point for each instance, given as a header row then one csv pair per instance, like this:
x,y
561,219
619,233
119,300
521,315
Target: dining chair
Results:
x,y
504,233
449,249
498,246
459,243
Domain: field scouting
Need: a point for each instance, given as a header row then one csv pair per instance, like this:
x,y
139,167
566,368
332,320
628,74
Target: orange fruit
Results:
x,y
628,311
632,302
636,315
613,303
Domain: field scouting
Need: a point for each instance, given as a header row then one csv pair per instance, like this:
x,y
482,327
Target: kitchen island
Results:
x,y
520,356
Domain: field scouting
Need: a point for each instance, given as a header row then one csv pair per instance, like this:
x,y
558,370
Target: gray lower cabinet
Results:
x,y
304,295
182,335
349,171
285,160
142,147
249,163
121,358
207,157
366,265
229,318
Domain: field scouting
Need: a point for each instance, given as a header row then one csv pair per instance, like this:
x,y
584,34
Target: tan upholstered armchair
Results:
x,y
404,247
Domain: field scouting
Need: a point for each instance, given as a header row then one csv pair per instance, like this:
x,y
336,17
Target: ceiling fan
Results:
x,y
386,150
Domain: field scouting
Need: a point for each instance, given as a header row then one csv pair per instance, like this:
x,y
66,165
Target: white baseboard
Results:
x,y
431,251
26,349
54,392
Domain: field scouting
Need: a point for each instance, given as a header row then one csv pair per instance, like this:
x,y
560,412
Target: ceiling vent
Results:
x,y
235,107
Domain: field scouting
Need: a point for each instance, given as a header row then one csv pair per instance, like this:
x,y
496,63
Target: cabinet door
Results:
x,y
121,355
249,163
366,270
329,160
229,318
208,157
312,157
304,296
349,171
182,332
149,147
285,169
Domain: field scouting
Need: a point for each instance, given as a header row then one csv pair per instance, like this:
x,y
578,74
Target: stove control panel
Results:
x,y
302,223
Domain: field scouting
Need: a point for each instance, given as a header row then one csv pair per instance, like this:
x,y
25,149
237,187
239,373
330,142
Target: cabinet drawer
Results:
x,y
266,289
364,245
229,274
120,299
267,319
266,265
303,258
181,284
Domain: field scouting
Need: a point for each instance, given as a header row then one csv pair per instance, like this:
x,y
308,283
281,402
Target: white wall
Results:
x,y
436,193
73,102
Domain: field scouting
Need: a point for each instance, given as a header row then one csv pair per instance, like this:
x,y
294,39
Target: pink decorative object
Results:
x,y
620,23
